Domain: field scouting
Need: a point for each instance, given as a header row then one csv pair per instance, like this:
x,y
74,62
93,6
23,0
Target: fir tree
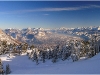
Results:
x,y
8,71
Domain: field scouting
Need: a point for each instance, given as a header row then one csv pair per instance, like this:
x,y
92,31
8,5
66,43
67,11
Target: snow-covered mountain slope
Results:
x,y
38,35
8,38
22,65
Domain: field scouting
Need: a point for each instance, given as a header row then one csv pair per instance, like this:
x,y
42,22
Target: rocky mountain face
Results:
x,y
8,38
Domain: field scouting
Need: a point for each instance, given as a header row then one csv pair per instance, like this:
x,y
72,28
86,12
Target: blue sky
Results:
x,y
49,14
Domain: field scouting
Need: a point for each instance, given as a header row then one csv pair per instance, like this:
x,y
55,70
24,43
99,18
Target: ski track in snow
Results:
x,y
23,65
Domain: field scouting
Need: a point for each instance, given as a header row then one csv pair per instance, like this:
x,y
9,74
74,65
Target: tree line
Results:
x,y
73,49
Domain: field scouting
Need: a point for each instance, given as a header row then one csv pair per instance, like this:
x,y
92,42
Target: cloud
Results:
x,y
46,14
4,12
53,9
62,9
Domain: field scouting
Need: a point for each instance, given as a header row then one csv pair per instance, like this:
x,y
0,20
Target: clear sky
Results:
x,y
49,14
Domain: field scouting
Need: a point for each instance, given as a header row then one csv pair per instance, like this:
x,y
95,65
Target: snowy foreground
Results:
x,y
23,65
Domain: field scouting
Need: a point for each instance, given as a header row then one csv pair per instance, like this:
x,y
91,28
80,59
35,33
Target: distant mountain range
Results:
x,y
45,36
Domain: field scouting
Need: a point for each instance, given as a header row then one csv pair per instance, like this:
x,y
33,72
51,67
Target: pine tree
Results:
x,y
0,62
1,67
31,47
37,60
8,71
43,56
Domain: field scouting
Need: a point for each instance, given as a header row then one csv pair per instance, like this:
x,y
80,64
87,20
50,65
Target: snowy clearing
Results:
x,y
23,65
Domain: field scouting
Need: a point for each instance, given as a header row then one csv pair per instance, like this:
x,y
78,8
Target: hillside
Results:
x,y
22,65
8,38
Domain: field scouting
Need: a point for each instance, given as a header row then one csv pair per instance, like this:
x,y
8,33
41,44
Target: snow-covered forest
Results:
x,y
74,55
